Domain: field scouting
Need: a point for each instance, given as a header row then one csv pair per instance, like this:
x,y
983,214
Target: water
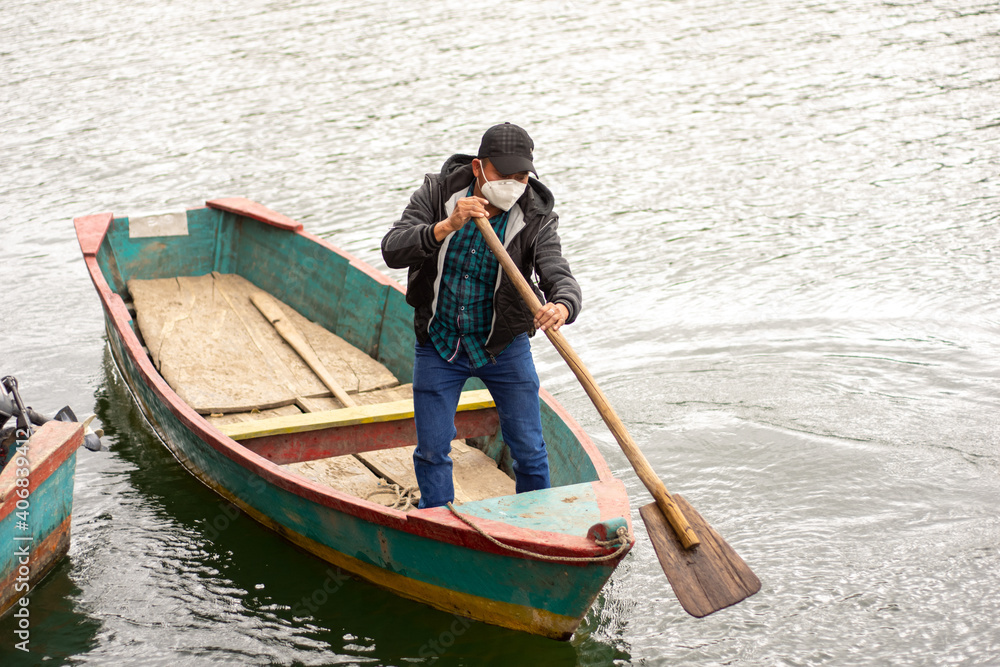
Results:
x,y
784,219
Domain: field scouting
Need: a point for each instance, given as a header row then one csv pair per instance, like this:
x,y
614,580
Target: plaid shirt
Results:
x,y
464,314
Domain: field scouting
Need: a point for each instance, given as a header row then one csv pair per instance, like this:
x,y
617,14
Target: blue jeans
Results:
x,y
437,386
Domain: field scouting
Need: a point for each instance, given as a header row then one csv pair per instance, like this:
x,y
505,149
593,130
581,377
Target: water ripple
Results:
x,y
783,217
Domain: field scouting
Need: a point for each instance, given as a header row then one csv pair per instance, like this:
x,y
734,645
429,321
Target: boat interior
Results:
x,y
227,361
184,281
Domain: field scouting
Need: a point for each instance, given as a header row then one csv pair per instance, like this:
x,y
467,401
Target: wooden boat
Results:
x,y
533,561
35,519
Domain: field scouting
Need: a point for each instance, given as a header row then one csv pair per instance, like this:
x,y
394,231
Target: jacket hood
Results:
x,y
456,172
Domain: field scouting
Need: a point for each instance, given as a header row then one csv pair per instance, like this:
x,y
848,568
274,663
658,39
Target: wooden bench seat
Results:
x,y
360,414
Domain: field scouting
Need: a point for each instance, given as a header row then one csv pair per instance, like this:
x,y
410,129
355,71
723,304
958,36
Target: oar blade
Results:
x,y
707,578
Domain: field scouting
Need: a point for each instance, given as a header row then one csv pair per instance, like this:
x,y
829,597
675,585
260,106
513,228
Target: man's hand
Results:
x,y
552,315
466,209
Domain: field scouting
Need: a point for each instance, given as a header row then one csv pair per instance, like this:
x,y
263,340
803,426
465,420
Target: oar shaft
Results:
x,y
632,452
287,330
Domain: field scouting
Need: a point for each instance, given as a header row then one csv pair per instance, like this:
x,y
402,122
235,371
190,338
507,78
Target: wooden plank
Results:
x,y
394,465
387,395
361,414
290,333
352,368
345,474
202,348
253,415
477,476
220,355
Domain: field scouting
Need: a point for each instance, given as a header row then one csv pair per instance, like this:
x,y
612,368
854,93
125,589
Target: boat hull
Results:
x,y
426,555
452,578
35,519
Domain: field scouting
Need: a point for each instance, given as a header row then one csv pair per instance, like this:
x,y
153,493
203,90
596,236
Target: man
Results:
x,y
468,317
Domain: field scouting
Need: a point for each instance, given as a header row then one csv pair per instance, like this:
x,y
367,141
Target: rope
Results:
x,y
621,540
406,497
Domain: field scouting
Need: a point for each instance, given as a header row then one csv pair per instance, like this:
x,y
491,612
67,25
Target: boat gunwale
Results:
x,y
437,523
56,443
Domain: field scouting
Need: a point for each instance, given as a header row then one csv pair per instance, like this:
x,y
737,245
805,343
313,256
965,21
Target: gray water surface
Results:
x,y
784,218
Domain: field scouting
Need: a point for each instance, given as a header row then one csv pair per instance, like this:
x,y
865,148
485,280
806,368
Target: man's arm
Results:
x,y
554,276
415,237
411,239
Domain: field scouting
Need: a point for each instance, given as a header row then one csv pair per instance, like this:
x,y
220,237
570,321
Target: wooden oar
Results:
x,y
269,308
704,571
272,312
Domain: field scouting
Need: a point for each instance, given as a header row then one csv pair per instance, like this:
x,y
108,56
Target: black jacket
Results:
x,y
532,243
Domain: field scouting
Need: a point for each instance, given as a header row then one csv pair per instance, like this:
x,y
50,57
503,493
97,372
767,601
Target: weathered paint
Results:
x,y
52,463
563,509
428,555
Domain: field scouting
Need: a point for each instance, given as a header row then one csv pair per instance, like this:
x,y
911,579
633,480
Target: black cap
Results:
x,y
508,147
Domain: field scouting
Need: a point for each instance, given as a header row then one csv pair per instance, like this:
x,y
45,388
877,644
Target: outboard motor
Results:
x,y
26,419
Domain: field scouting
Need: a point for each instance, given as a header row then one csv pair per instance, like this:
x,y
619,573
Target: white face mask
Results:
x,y
503,193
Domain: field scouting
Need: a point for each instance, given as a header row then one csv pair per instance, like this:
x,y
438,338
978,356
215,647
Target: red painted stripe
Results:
x,y
44,556
90,231
356,438
48,448
255,211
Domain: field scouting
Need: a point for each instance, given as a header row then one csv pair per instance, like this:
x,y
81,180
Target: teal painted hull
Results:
x,y
35,520
426,555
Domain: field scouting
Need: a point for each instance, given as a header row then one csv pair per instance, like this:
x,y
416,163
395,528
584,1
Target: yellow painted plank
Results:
x,y
360,414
